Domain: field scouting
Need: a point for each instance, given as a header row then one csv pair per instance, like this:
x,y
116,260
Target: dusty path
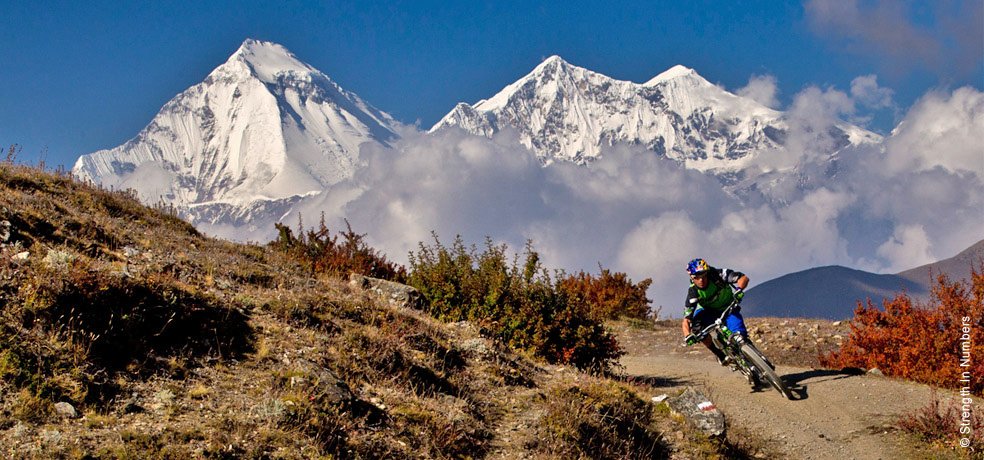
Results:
x,y
837,415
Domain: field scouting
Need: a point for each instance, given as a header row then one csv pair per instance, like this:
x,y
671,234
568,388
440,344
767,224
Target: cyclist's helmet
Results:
x,y
697,265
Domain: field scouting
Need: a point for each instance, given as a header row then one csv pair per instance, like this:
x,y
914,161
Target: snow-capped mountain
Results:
x,y
266,134
262,130
564,112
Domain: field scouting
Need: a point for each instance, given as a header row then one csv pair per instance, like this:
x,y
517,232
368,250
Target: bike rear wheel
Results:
x,y
764,370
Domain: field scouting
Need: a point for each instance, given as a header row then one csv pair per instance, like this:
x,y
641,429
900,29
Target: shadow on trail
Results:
x,y
796,382
654,381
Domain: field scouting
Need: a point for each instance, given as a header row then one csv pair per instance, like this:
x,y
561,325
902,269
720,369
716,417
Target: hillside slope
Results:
x,y
833,292
830,292
127,334
956,267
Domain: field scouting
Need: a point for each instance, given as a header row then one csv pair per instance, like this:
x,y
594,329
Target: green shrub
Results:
x,y
520,305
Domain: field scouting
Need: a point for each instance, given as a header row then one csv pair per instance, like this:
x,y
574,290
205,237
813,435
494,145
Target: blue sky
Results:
x,y
83,76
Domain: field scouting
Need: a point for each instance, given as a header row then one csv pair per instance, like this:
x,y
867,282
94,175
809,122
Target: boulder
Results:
x,y
396,293
320,383
132,405
66,410
4,231
699,411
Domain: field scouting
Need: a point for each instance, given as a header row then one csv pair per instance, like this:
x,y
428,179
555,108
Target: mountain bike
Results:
x,y
742,355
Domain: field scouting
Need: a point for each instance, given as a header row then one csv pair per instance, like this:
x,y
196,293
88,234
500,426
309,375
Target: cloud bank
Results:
x,y
915,197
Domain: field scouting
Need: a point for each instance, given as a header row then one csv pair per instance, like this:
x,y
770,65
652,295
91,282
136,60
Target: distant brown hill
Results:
x,y
832,292
956,267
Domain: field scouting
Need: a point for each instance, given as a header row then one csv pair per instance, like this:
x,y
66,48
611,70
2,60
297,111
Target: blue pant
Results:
x,y
734,321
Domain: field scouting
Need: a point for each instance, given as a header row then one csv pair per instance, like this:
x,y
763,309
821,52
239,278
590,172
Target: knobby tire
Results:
x,y
765,371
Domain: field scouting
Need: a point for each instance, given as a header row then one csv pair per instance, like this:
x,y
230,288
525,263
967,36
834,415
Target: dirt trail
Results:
x,y
836,415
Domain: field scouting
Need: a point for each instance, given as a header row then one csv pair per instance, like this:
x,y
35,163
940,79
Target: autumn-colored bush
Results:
x,y
609,295
322,252
935,343
519,304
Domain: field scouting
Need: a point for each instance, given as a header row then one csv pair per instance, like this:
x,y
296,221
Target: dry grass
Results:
x,y
174,345
941,424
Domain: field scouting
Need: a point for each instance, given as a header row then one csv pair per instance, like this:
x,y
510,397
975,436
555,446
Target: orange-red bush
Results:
x,y
322,252
938,343
609,296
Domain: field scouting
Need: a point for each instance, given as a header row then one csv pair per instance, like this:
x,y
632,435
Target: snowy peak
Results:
x,y
267,60
675,72
551,62
565,112
552,78
263,126
555,67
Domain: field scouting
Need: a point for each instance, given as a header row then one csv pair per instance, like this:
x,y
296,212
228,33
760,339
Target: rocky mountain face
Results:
x,y
564,112
261,131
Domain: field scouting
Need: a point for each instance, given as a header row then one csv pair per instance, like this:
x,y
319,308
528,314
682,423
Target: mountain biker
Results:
x,y
709,295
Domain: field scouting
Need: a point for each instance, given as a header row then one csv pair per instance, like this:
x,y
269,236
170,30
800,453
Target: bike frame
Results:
x,y
723,341
732,346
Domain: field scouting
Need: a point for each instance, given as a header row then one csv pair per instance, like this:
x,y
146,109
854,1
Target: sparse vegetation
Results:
x,y
170,344
939,422
929,344
599,421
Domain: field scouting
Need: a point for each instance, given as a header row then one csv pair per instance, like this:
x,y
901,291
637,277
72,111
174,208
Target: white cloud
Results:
x,y
941,130
155,181
883,207
881,25
810,119
761,89
865,89
933,36
908,247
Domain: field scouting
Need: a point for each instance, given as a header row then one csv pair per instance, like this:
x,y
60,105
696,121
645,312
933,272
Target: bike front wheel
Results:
x,y
764,370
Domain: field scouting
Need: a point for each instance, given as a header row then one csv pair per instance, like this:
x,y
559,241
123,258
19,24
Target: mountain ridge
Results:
x,y
832,292
568,113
